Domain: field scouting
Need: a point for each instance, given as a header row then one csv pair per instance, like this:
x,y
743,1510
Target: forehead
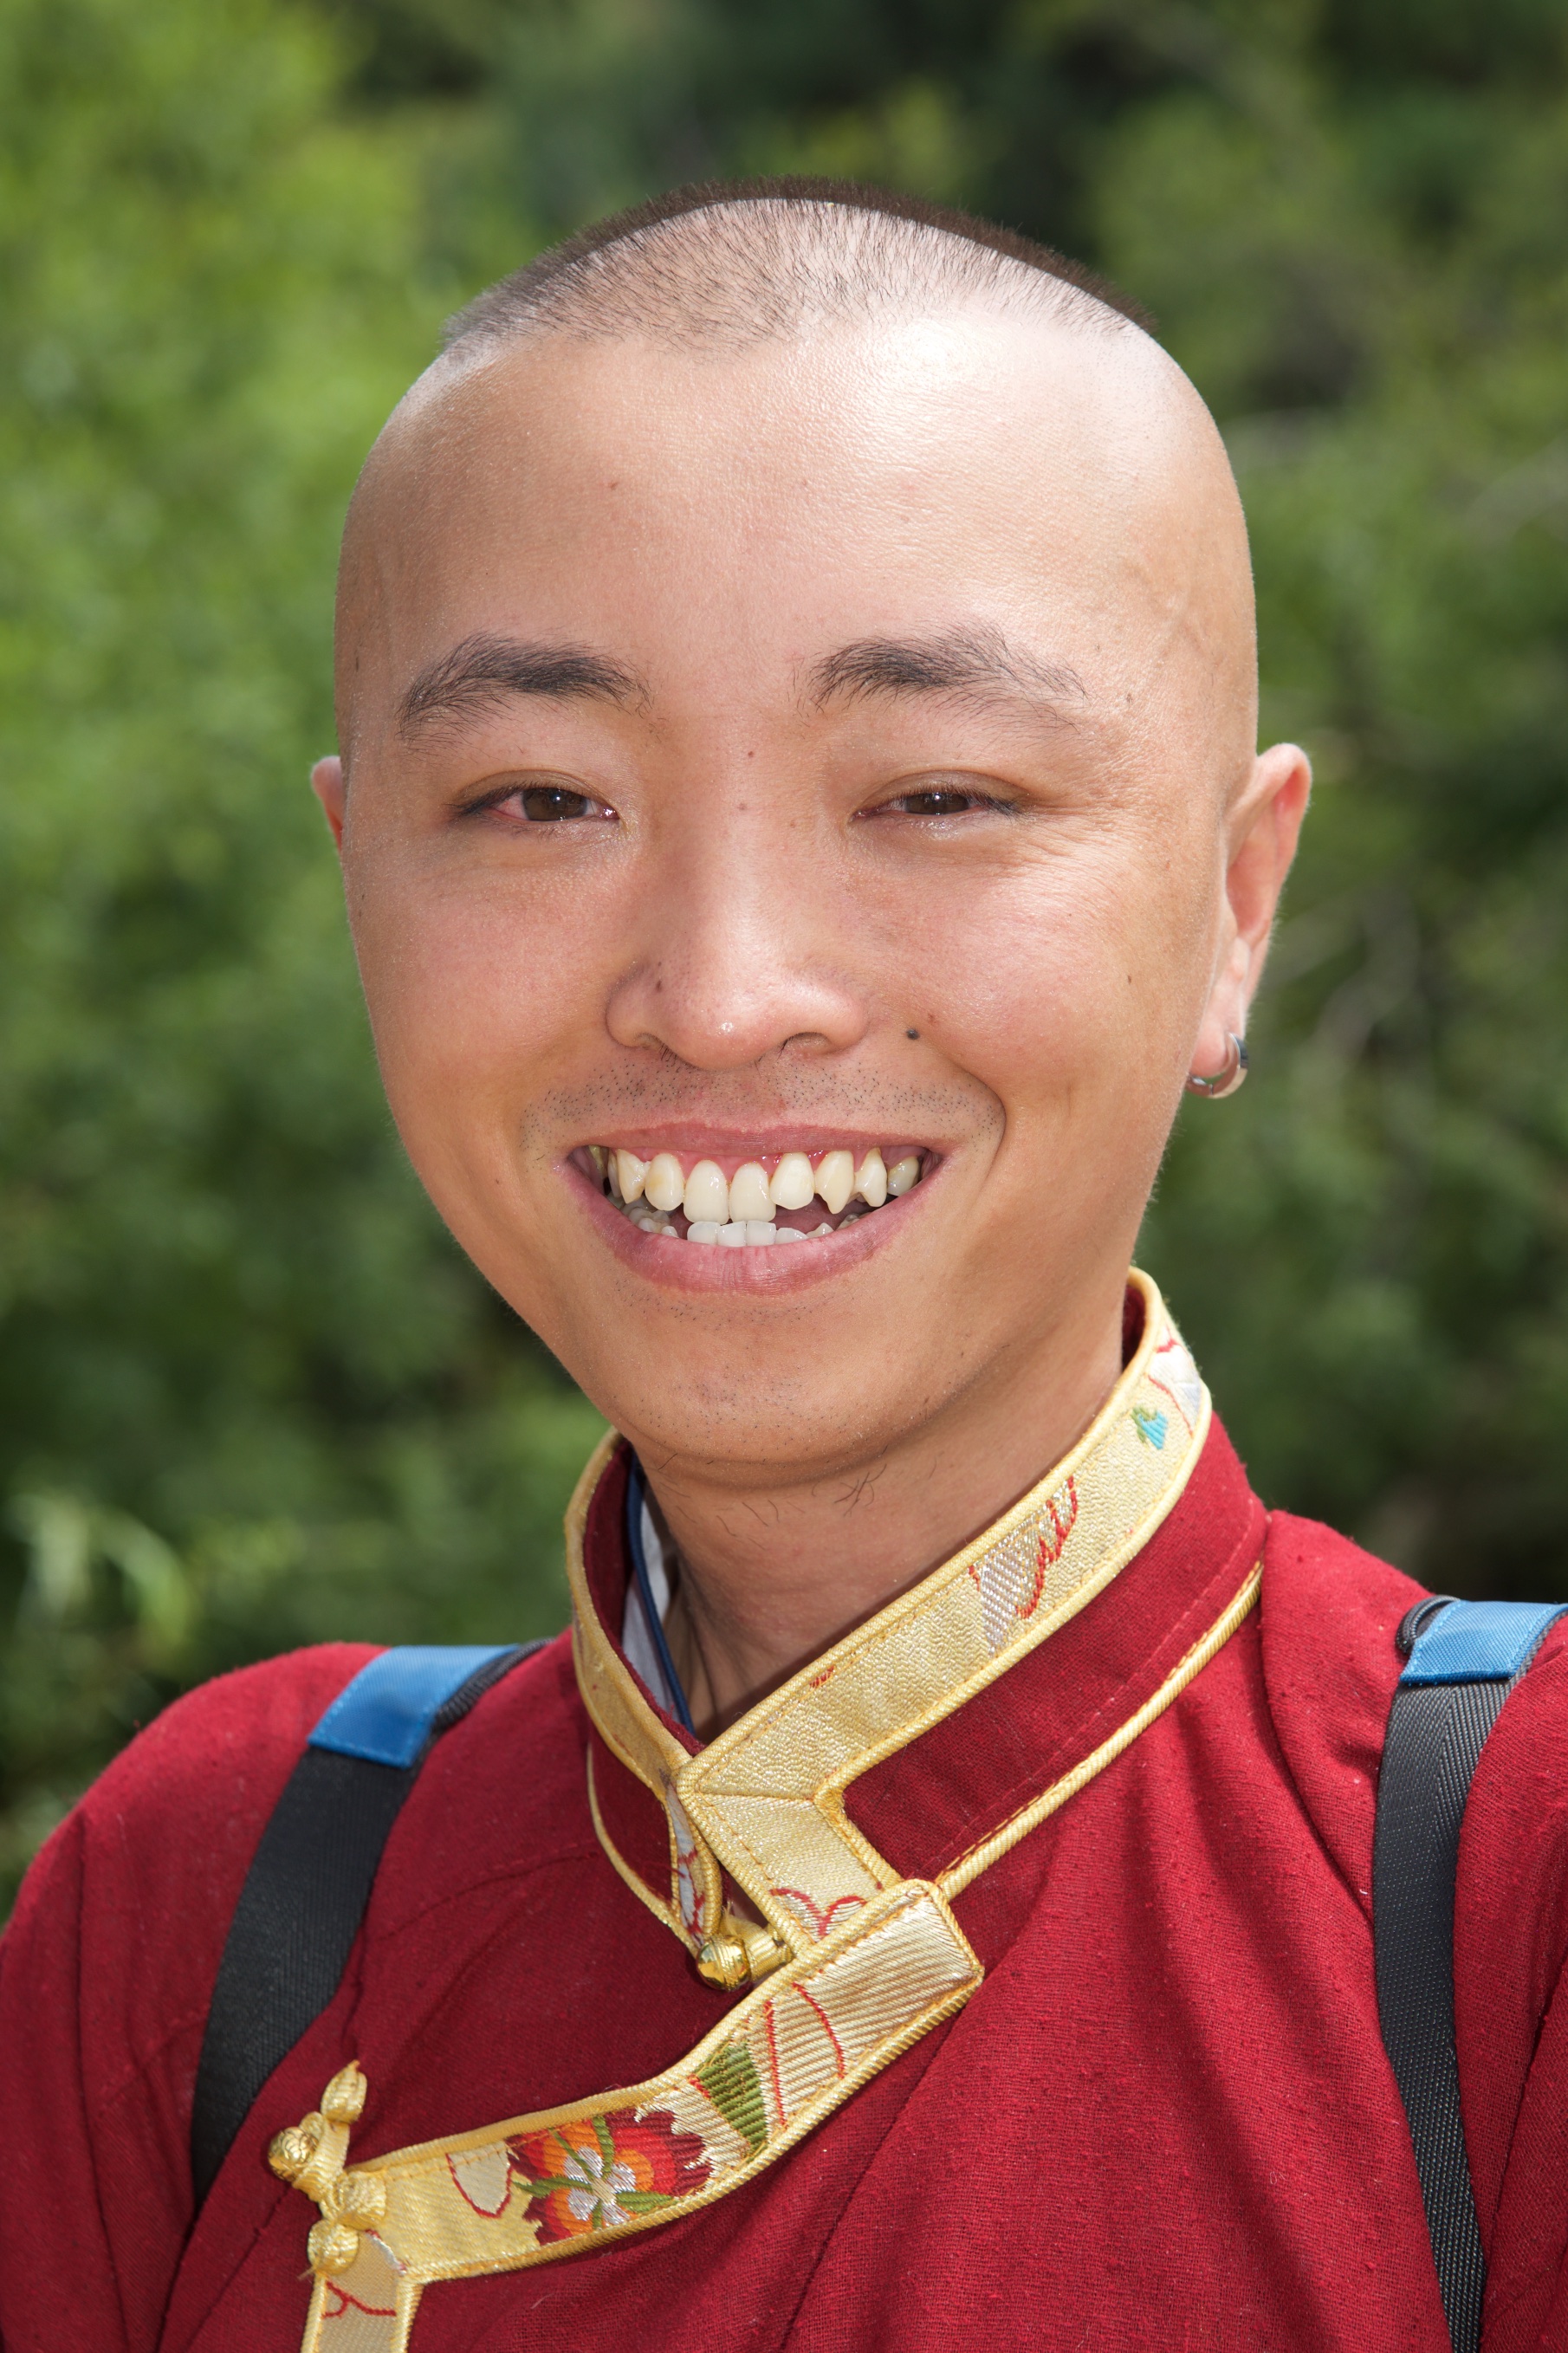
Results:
x,y
961,451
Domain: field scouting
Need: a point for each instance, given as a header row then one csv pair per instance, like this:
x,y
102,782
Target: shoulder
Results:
x,y
193,1789
173,1823
504,1795
1329,1613
125,1914
1513,1866
1328,1616
133,1893
107,1967
227,1747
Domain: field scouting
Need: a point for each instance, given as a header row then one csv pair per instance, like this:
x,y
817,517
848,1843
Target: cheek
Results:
x,y
1079,985
473,988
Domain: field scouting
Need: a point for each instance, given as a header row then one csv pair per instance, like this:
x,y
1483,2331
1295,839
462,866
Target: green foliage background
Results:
x,y
249,1395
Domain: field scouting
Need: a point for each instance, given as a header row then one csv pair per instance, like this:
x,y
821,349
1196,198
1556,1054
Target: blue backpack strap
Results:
x,y
1463,1658
394,1707
310,1880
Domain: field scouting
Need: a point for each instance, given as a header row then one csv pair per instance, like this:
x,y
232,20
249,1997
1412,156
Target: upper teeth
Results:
x,y
743,1208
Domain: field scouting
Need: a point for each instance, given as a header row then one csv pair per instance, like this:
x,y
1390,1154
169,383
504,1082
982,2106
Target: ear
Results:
x,y
1263,830
327,784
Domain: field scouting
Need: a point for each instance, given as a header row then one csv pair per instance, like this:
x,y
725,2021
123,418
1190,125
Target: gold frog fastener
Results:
x,y
312,2155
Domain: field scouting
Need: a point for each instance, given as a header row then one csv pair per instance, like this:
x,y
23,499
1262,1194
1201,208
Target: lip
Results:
x,y
752,1274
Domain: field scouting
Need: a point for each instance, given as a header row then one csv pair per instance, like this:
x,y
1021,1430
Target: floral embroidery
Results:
x,y
359,2301
1061,1509
601,2173
337,2304
791,2051
1171,1368
1011,1577
730,2080
689,1895
483,2176
821,1919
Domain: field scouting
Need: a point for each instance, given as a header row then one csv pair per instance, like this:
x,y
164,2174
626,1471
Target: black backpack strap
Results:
x,y
310,1880
1463,1658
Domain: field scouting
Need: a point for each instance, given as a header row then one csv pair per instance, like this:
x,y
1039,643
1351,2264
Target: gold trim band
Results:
x,y
662,1912
555,2183
980,1858
765,1799
754,2087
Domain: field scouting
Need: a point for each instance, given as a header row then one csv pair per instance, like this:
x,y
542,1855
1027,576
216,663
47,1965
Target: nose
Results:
x,y
737,953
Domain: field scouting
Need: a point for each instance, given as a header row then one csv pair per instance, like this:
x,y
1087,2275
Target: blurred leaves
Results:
x,y
249,1394
1371,1252
67,1540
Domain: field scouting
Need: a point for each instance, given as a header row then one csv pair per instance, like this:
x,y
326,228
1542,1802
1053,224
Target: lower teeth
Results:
x,y
754,1234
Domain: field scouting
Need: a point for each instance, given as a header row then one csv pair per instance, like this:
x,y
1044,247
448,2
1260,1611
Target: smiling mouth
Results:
x,y
757,1204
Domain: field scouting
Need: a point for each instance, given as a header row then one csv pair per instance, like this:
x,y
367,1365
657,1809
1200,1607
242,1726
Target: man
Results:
x,y
802,833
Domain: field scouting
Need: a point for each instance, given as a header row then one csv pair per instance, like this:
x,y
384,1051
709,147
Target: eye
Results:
x,y
549,804
941,801
546,803
936,800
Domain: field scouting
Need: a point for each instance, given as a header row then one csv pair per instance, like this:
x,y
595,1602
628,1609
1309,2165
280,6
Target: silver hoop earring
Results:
x,y
1224,1082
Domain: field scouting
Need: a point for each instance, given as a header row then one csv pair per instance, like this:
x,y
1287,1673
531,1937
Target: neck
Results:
x,y
775,1570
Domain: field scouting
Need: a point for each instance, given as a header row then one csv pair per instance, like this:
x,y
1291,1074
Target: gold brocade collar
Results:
x,y
856,1962
764,1802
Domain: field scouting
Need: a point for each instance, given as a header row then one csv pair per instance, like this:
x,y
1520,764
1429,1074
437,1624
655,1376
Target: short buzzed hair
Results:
x,y
729,263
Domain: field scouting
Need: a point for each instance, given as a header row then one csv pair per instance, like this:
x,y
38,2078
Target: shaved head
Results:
x,y
724,265
743,282
798,694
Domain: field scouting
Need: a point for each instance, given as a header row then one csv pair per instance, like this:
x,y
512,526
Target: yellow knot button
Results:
x,y
292,2150
357,2198
722,1961
331,2246
739,1952
343,2101
312,2153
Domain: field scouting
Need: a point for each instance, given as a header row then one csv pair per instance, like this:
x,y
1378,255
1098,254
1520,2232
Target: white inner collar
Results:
x,y
637,1635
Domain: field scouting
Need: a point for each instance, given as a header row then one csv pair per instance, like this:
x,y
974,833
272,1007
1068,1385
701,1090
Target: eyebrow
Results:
x,y
483,671
978,663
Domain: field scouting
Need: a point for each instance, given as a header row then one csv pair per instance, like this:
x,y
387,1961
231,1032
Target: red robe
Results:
x,y
1165,2119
